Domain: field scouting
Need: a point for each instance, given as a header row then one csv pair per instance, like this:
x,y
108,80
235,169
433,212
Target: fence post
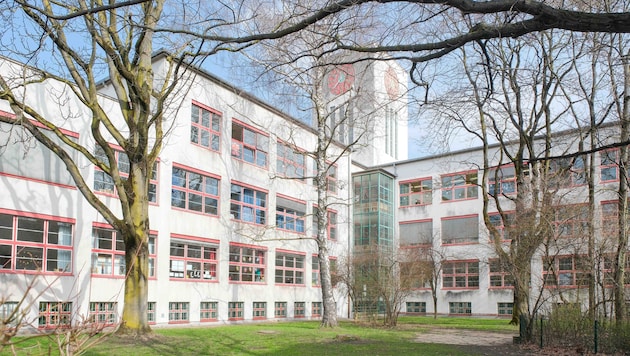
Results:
x,y
542,318
595,336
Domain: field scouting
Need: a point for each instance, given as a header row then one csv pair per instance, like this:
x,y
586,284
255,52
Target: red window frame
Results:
x,y
104,313
195,251
467,239
204,198
54,315
16,251
609,162
416,192
287,162
462,274
316,309
497,221
567,172
280,310
257,144
565,271
502,180
460,308
607,270
116,252
259,310
178,312
460,186
498,277
151,312
291,218
299,309
235,311
315,277
290,267
248,204
331,226
205,126
406,244
247,263
208,311
571,221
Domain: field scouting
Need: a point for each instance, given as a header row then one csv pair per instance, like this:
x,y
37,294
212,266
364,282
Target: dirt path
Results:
x,y
475,342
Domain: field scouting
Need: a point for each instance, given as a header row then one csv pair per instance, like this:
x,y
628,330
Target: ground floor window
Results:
x,y
416,307
8,314
178,312
298,309
316,309
104,313
54,314
280,310
260,310
505,308
235,310
151,312
208,311
462,308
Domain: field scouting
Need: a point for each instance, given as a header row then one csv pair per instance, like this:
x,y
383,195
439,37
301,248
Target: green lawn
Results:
x,y
295,338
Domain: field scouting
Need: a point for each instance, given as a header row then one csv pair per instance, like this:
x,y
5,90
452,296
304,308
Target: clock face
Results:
x,y
340,79
391,83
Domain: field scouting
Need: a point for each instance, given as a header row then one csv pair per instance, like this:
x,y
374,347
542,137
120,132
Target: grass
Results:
x,y
295,338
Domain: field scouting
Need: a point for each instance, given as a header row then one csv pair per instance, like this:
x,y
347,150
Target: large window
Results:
x,y
193,260
571,221
290,214
331,226
299,309
104,183
26,157
54,314
260,310
460,308
459,186
290,162
461,229
502,180
280,309
235,311
503,227
104,313
195,191
289,268
566,271
609,165
416,192
505,308
416,232
566,172
249,145
331,176
30,243
205,128
108,252
247,263
416,308
178,312
248,204
9,314
208,311
460,274
151,312
499,276
315,274
316,309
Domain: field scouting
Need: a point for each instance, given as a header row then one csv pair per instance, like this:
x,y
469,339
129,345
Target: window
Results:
x,y
104,183
290,214
609,165
505,308
503,227
316,309
248,204
260,310
608,268
416,307
103,313
108,252
566,271
459,186
30,159
461,308
290,162
192,260
249,145
502,180
460,274
299,309
208,311
178,312
29,243
289,268
247,263
235,310
463,229
205,128
331,176
151,313
417,192
315,281
499,276
9,315
416,233
280,310
54,314
566,172
195,191
571,221
331,227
